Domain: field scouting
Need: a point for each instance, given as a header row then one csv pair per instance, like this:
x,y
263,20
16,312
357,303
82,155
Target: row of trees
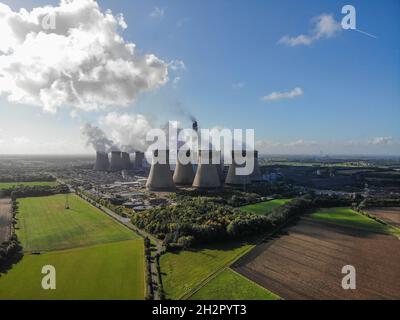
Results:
x,y
9,249
34,191
26,178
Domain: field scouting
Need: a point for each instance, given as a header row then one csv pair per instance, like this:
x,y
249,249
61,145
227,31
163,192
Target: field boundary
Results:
x,y
262,239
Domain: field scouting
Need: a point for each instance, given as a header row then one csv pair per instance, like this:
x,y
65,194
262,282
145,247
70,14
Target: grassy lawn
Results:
x,y
45,224
347,216
185,270
264,208
109,271
7,185
229,285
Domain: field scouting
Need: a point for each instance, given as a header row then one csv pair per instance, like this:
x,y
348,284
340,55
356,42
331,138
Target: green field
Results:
x,y
45,224
264,208
109,271
184,271
229,285
8,185
347,216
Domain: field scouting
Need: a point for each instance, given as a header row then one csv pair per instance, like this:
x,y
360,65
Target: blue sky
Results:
x,y
350,82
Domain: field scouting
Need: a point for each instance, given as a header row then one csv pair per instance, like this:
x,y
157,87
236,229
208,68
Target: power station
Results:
x,y
184,174
102,163
207,176
160,176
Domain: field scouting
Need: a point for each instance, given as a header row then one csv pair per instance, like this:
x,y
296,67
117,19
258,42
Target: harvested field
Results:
x,y
390,215
5,219
305,262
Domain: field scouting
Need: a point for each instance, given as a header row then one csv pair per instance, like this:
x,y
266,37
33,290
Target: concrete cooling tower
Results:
x,y
256,176
139,156
234,179
102,162
184,174
125,160
160,176
207,176
116,161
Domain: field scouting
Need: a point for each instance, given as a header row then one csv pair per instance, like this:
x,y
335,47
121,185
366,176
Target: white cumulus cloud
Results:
x,y
296,92
83,63
323,26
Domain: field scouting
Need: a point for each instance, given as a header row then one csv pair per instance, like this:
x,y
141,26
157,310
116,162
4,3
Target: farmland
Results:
x,y
229,285
305,261
8,185
109,271
94,256
264,208
184,271
5,219
390,215
45,224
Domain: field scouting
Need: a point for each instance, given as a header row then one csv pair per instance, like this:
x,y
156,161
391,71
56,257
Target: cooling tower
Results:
x,y
139,156
207,176
234,179
184,174
160,176
256,176
116,161
126,161
102,162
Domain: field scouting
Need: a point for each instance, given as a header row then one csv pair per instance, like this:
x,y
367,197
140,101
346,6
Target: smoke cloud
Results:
x,y
128,130
83,62
97,139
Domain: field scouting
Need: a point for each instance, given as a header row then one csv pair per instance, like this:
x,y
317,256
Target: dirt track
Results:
x,y
389,215
5,219
305,262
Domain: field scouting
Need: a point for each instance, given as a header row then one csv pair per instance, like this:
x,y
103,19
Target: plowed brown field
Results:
x,y
5,219
305,262
390,215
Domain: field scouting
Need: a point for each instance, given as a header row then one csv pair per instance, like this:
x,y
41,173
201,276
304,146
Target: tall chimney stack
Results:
x,y
232,178
160,176
116,161
102,162
184,174
207,176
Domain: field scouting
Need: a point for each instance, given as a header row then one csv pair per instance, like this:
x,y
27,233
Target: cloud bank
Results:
x,y
323,26
83,63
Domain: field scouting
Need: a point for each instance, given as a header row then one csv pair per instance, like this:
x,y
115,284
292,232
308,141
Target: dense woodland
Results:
x,y
201,220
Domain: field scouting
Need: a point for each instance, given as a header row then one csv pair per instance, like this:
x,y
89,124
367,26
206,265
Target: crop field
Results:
x,y
264,208
305,261
229,285
182,272
8,185
45,224
109,271
5,219
348,217
389,215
